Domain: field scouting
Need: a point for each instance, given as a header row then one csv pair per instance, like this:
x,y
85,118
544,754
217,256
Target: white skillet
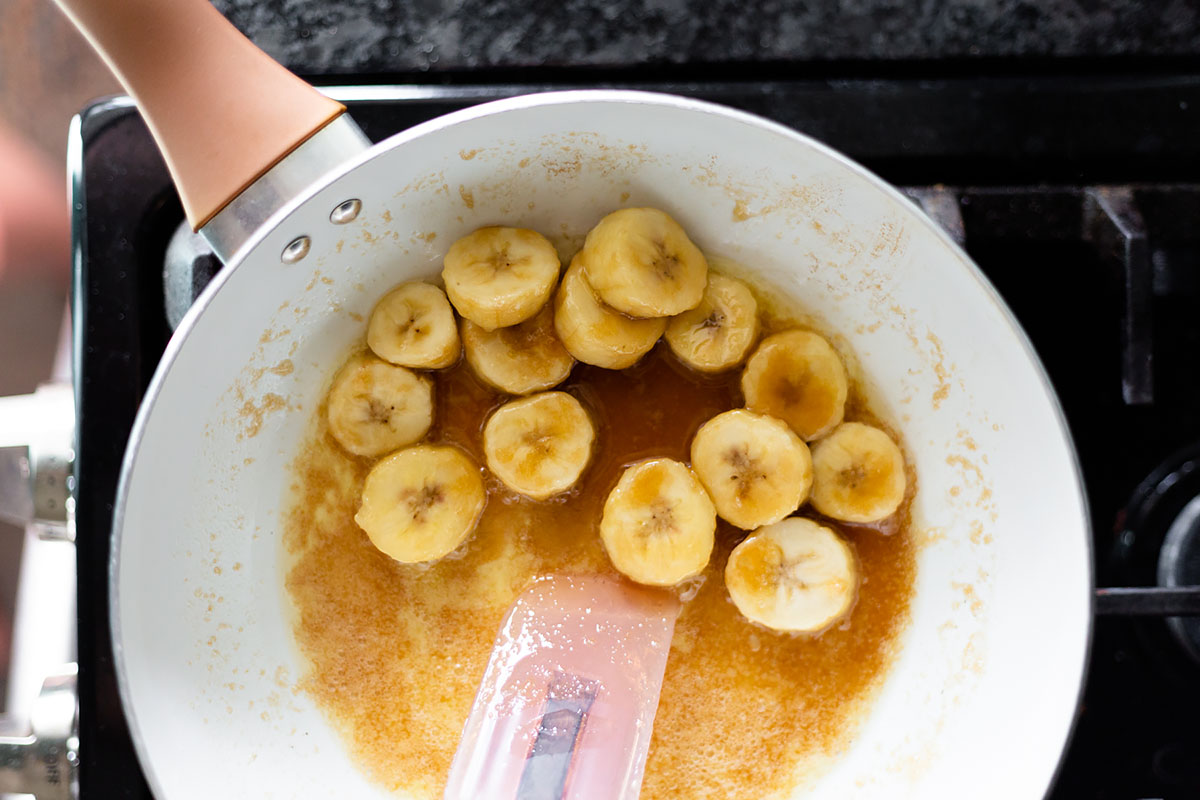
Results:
x,y
984,690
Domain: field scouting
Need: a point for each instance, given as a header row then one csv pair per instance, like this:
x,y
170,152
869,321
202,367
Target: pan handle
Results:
x,y
222,111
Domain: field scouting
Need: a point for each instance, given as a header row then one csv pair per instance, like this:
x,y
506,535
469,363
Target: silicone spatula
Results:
x,y
567,702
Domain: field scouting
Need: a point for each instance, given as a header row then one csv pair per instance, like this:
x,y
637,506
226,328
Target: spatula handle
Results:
x,y
222,111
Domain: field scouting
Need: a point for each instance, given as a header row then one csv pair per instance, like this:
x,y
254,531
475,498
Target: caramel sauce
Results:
x,y
396,651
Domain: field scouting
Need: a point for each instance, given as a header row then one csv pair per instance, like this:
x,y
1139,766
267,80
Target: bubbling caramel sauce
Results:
x,y
396,652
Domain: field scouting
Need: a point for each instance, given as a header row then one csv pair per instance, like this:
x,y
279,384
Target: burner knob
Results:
x,y
44,762
1179,565
36,460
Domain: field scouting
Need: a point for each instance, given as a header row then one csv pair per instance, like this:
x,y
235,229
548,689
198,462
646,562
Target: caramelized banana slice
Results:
x,y
596,334
755,469
413,326
421,503
375,407
858,474
641,263
798,377
794,575
716,335
498,277
539,445
658,525
527,357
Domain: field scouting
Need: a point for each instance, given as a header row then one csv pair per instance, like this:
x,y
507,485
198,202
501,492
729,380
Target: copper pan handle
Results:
x,y
222,111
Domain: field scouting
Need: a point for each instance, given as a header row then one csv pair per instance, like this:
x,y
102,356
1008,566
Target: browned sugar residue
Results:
x,y
967,466
283,368
565,167
396,651
467,155
970,596
890,241
271,335
253,414
939,369
467,198
743,212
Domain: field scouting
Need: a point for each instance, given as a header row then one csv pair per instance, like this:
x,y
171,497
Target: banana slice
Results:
x,y
716,334
413,326
375,407
798,377
755,469
596,334
421,503
527,357
641,263
498,277
658,524
539,445
858,474
794,575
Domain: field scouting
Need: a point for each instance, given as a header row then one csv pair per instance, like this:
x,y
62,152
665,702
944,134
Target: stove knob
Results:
x,y
37,456
44,762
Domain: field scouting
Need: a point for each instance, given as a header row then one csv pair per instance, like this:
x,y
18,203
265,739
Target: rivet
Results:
x,y
346,212
296,250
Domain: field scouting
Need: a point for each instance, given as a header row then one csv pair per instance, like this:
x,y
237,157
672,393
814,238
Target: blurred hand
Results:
x,y
35,227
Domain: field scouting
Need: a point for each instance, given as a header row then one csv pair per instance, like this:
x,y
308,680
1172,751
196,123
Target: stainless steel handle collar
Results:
x,y
321,153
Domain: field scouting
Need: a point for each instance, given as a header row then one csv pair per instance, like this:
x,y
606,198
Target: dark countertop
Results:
x,y
415,36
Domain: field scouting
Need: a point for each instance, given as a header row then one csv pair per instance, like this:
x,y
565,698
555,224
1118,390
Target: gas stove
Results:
x,y
1076,195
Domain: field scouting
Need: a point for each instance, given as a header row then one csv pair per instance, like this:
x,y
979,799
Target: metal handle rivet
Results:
x,y
296,250
346,212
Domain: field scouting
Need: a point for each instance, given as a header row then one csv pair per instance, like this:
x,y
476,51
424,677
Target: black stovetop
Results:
x,y
1078,196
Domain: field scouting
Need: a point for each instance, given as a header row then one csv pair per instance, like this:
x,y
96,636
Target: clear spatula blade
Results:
x,y
567,702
